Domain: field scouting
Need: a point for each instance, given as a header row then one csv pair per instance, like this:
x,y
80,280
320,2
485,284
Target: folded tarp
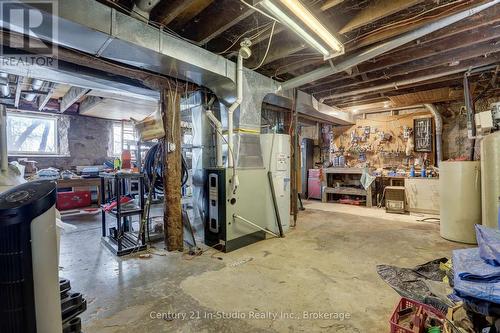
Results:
x,y
474,277
488,240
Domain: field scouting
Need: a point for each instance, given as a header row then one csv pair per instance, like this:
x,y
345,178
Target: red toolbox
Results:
x,y
72,200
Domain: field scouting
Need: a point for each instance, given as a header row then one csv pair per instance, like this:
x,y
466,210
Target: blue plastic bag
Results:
x,y
488,240
467,262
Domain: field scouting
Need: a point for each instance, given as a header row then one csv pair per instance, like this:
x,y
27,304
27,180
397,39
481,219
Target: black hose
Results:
x,y
156,152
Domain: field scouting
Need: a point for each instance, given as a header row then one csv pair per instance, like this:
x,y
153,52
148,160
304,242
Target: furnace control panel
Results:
x,y
213,200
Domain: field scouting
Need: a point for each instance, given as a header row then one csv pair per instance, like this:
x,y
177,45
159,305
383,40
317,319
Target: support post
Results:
x,y
172,211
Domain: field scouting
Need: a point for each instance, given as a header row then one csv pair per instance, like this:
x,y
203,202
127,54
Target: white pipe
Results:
x,y
218,143
234,106
439,131
254,225
4,162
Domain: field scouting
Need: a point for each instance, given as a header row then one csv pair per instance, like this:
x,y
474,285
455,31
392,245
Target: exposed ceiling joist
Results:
x,y
89,103
488,18
376,10
278,50
330,4
195,8
210,23
71,97
378,50
411,79
43,100
166,11
397,29
446,58
20,80
464,39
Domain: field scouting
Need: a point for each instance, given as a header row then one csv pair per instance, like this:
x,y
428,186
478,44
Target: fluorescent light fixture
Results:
x,y
299,10
303,14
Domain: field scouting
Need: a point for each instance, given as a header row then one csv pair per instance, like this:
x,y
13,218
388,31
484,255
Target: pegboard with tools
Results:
x,y
381,142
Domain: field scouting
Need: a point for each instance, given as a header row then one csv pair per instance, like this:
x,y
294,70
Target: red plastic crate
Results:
x,y
72,200
405,303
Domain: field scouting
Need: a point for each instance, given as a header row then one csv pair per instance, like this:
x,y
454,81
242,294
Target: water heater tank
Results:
x,y
29,273
490,179
460,196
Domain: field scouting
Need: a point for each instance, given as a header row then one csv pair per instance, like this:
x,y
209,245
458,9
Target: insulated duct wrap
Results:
x,y
247,120
202,153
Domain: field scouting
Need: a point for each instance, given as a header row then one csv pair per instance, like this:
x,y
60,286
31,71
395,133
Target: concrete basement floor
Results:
x,y
325,264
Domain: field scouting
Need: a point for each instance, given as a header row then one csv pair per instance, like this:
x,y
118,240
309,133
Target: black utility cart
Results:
x,y
121,239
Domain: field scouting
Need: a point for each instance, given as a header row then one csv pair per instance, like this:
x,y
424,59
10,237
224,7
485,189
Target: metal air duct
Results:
x,y
4,85
36,85
439,131
142,8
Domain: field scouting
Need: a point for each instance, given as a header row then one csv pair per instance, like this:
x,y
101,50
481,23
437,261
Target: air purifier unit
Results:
x,y
29,278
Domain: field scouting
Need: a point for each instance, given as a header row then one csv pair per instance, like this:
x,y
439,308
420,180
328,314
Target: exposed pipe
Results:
x,y
471,114
4,85
379,49
235,217
36,85
244,53
234,106
4,161
218,144
397,84
439,132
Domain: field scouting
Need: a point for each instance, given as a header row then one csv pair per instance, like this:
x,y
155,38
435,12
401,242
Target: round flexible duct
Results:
x,y
439,131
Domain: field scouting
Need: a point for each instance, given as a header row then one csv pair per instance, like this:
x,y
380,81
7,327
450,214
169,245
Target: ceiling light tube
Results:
x,y
283,18
299,10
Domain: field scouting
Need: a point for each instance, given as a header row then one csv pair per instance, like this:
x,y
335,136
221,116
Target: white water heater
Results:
x,y
460,200
490,179
29,274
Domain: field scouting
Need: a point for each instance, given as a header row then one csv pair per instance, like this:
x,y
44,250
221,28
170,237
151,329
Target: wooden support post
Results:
x,y
172,211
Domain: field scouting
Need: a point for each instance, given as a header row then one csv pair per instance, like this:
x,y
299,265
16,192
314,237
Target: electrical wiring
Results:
x,y
410,20
266,27
155,174
268,47
259,10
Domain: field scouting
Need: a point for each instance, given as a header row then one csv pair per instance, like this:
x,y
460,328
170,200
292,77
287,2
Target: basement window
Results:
x,y
31,134
123,137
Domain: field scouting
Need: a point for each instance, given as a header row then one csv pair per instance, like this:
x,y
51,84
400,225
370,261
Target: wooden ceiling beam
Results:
x,y
439,46
330,4
465,65
376,10
278,50
395,30
444,58
167,10
184,13
214,20
485,18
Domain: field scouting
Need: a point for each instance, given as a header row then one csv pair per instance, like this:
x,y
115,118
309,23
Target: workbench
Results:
x,y
81,182
344,175
422,195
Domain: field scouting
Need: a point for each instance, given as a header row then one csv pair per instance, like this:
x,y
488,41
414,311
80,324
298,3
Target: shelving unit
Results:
x,y
344,176
120,239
